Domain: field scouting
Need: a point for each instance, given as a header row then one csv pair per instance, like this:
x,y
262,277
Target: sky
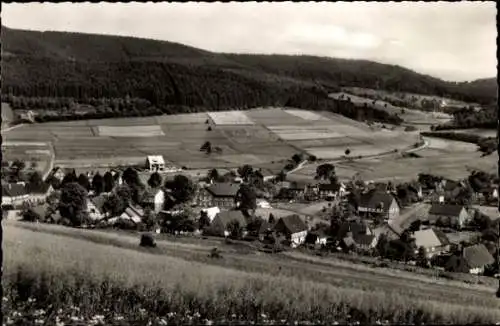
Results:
x,y
454,41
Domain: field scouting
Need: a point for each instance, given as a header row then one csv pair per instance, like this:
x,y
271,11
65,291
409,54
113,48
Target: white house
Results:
x,y
155,199
211,212
14,194
293,228
155,163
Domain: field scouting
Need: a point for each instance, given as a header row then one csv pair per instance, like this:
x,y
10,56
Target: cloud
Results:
x,y
454,40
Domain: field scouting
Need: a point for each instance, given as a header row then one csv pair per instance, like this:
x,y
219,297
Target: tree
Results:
x,y
149,219
297,158
155,180
206,147
204,221
73,203
18,165
183,188
422,260
118,201
271,219
109,182
131,177
213,175
69,178
84,181
247,198
347,152
324,171
35,180
245,172
98,183
313,158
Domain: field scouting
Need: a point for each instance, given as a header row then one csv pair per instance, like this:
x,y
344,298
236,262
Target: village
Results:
x,y
431,222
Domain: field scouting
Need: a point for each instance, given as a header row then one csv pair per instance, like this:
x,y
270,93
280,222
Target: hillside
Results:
x,y
177,78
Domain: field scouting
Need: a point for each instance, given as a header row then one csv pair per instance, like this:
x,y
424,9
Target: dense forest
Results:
x,y
72,75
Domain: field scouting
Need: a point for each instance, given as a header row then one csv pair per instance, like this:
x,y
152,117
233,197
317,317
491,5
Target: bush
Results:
x,y
147,240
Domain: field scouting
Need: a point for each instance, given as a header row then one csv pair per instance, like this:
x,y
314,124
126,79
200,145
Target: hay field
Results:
x,y
180,278
130,131
307,115
230,118
274,116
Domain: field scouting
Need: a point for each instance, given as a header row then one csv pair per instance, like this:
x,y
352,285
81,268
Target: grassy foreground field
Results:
x,y
91,273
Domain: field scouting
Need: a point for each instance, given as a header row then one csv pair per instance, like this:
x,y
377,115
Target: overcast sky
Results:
x,y
450,40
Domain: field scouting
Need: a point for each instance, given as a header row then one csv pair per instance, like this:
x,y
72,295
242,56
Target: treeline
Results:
x,y
466,118
320,101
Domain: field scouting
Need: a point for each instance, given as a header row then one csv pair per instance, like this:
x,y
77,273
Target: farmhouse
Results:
x,y
221,224
378,203
365,242
327,190
219,194
155,163
455,216
473,260
293,228
433,241
131,214
14,194
153,199
318,237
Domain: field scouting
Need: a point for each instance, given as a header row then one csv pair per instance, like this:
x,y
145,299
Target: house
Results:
x,y
355,227
40,193
222,195
154,199
318,237
155,163
471,259
293,190
433,241
265,229
95,207
327,190
222,221
365,242
293,228
378,203
14,194
455,216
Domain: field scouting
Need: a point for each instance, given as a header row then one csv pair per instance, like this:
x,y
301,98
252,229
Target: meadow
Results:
x,y
48,276
259,137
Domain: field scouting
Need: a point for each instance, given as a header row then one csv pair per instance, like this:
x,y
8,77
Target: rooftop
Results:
x,y
156,159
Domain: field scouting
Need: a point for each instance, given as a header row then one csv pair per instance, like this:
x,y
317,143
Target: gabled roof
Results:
x,y
477,256
225,189
363,239
430,238
293,223
13,190
227,216
374,198
446,210
133,213
265,226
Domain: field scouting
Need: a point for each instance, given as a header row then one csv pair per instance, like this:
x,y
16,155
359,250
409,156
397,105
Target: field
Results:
x,y
260,137
38,153
451,159
244,285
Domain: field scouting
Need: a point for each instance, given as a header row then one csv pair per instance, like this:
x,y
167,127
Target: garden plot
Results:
x,y
307,115
132,121
230,118
450,145
72,132
130,131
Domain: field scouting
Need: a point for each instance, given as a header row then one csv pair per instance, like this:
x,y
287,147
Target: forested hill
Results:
x,y
167,75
